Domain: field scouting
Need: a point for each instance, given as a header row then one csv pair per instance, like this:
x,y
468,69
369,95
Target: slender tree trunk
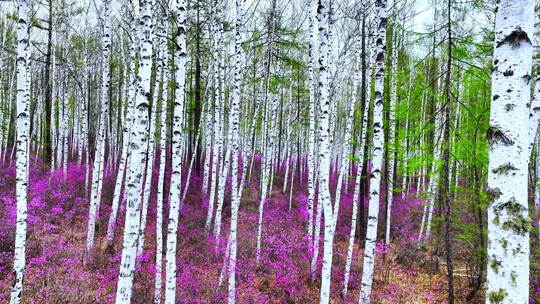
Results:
x,y
65,131
223,154
21,178
312,184
217,148
391,134
180,58
138,142
377,158
47,143
191,163
357,183
445,182
325,141
235,123
149,169
162,157
433,184
198,99
125,154
97,170
269,128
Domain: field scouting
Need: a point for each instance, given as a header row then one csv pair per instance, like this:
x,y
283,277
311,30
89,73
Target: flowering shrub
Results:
x,y
57,222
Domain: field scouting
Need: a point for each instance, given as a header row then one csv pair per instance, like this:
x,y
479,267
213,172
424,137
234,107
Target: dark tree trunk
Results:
x,y
47,142
481,241
198,101
364,183
444,191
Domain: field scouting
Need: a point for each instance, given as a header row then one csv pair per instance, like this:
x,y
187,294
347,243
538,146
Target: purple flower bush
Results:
x,y
57,221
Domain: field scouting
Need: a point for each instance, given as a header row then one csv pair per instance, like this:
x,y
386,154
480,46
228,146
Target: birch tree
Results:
x,y
180,58
235,124
164,25
97,170
21,177
129,120
377,156
137,145
269,128
311,134
508,219
354,215
391,134
324,151
216,131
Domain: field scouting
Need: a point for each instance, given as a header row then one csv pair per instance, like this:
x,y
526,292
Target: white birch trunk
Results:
x,y
508,219
160,48
180,55
312,184
139,136
214,154
235,123
286,156
216,125
433,180
128,124
221,192
293,171
52,118
23,94
149,169
317,234
64,127
207,147
225,263
346,149
223,148
97,170
84,113
354,216
325,141
378,148
162,159
266,172
348,260
391,135
124,157
267,168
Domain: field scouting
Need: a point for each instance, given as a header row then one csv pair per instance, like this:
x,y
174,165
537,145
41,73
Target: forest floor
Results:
x,y
56,273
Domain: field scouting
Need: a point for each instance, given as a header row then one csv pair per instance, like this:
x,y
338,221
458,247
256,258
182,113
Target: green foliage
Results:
x,y
77,42
114,62
461,50
288,44
79,10
468,231
292,62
